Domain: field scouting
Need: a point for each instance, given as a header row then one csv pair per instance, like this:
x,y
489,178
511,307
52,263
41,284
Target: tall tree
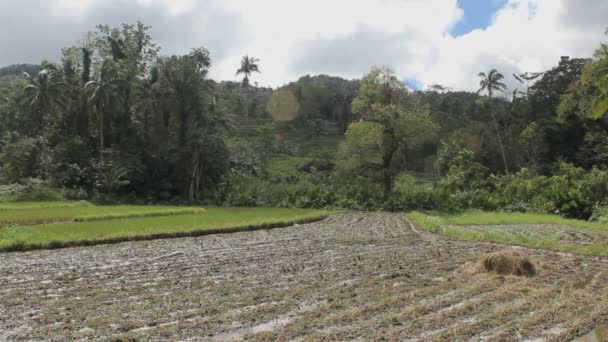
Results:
x,y
44,97
102,93
249,65
600,104
526,78
491,82
387,127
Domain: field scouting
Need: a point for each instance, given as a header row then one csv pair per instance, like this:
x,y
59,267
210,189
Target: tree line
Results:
x,y
116,119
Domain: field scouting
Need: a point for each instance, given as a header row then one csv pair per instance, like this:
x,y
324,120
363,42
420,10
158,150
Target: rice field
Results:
x,y
46,225
30,215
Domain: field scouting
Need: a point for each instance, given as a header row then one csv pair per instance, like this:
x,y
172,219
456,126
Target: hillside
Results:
x,y
15,71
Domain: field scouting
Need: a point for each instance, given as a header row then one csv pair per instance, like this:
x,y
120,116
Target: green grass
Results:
x,y
31,214
213,220
448,225
42,205
484,217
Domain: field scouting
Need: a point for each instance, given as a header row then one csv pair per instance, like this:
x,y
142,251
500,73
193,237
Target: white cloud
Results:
x,y
526,35
340,37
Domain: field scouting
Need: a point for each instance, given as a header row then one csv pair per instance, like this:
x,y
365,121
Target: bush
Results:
x,y
40,192
12,191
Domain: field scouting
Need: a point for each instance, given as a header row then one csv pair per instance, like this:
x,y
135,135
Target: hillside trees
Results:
x,y
115,119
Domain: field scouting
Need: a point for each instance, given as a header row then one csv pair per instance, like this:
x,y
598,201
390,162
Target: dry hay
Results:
x,y
506,262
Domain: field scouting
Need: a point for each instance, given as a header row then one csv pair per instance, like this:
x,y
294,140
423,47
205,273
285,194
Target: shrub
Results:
x,y
39,192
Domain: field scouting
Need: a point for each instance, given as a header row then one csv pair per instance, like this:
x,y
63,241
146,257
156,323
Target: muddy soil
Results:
x,y
356,276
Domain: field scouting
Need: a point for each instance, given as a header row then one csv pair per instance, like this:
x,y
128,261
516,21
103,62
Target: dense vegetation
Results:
x,y
116,120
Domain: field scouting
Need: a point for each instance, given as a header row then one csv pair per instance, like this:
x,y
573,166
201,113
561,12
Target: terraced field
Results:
x,y
356,276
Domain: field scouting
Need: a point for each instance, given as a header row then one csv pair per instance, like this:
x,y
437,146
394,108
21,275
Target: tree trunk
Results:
x,y
101,136
388,182
391,147
500,145
246,101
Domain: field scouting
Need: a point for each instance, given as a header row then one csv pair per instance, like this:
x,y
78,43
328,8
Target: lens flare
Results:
x,y
283,105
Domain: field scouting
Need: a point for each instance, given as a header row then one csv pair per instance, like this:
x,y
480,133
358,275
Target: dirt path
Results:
x,y
356,276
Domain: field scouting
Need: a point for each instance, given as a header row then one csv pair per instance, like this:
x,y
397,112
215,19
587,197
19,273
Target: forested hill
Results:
x,y
14,71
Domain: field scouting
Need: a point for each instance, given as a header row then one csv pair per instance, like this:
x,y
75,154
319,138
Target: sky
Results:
x,y
425,42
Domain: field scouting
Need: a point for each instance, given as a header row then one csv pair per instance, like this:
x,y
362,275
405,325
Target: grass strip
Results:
x,y
448,226
213,221
34,216
43,205
501,218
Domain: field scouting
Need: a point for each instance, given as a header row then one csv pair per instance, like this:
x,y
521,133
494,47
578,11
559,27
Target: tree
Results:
x,y
386,124
532,141
547,91
44,97
102,93
600,104
526,78
248,66
491,82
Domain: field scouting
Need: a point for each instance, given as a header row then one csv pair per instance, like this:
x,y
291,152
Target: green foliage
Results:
x,y
388,129
464,173
310,191
361,149
116,121
600,104
244,160
25,157
29,190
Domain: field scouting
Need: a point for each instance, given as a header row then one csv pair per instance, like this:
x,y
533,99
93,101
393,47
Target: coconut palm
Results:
x,y
101,93
491,82
248,66
44,95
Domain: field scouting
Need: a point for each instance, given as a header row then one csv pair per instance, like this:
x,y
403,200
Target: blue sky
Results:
x,y
477,15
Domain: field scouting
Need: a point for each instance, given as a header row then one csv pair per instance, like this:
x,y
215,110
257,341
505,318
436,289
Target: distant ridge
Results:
x,y
14,71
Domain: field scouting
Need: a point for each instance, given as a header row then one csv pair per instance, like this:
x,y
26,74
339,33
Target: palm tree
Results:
x,y
492,82
526,78
101,94
44,95
248,66
149,97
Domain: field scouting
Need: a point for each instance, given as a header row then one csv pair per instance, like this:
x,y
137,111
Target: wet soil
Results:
x,y
355,276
